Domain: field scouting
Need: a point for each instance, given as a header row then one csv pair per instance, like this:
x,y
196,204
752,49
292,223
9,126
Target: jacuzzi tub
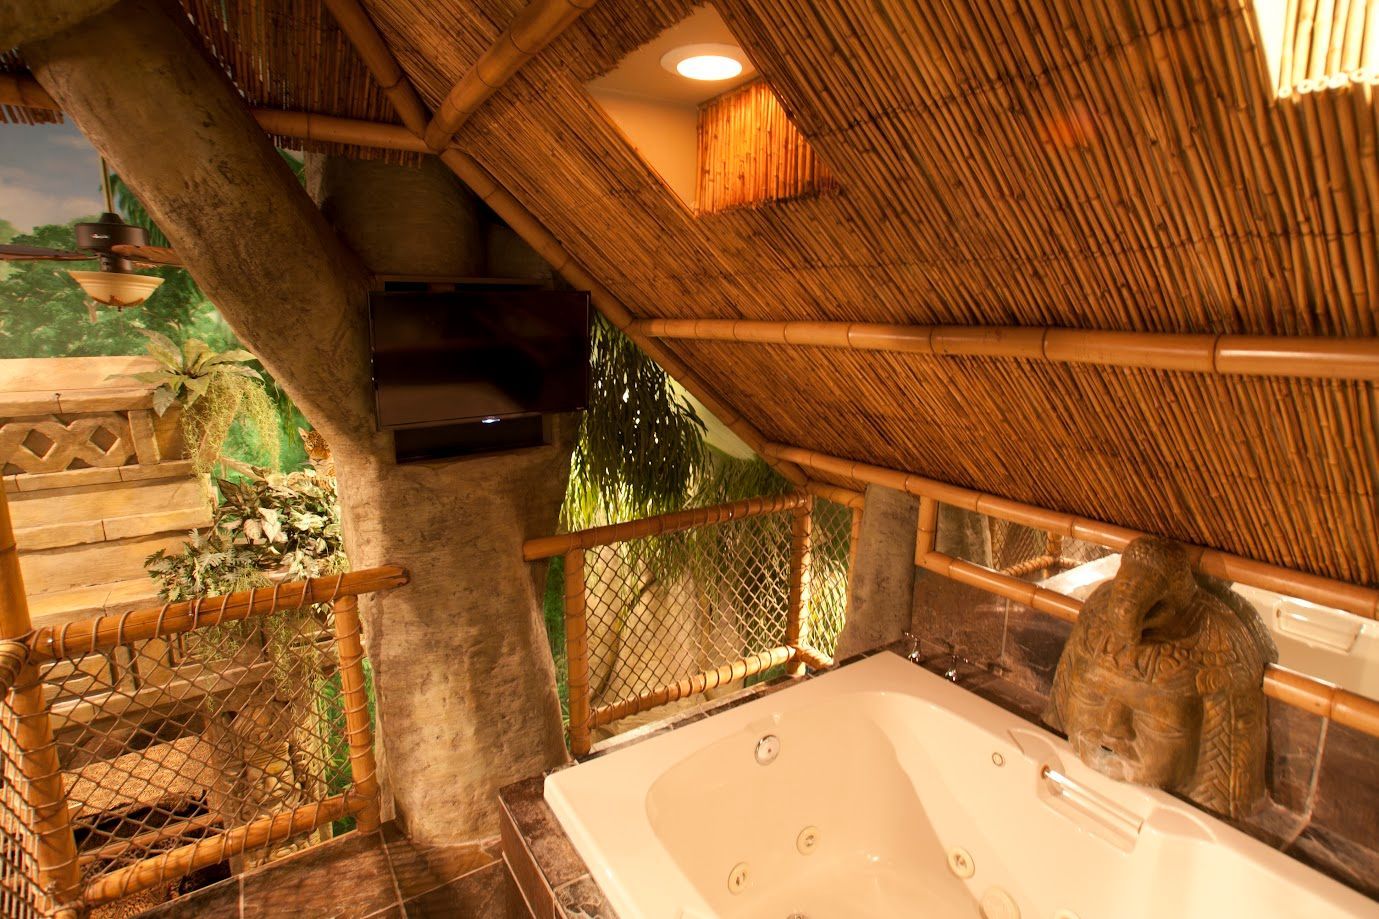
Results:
x,y
887,784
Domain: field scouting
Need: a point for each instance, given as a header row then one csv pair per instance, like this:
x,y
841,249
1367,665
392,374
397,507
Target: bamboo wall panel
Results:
x,y
750,153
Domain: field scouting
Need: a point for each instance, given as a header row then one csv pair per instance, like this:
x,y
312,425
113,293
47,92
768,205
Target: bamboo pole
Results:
x,y
538,24
13,656
179,862
844,496
59,873
355,23
328,128
691,685
550,546
151,837
577,652
854,540
801,529
807,656
1352,598
354,699
75,638
1243,355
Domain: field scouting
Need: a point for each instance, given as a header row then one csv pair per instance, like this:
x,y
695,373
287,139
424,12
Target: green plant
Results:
x,y
640,446
214,389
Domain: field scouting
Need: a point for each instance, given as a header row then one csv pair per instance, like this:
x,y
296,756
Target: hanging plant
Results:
x,y
214,389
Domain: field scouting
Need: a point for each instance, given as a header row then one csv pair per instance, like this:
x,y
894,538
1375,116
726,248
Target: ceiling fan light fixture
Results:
x,y
116,288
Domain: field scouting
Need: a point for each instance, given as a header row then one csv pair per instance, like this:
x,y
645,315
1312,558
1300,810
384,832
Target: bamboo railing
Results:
x,y
39,778
1286,686
790,652
1352,598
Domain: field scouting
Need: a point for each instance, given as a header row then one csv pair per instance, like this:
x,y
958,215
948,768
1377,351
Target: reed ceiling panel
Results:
x,y
290,54
1069,163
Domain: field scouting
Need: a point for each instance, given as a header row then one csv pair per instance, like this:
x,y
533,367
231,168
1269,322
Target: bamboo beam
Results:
x,y
360,30
1352,598
1287,686
42,789
577,652
310,126
536,26
927,529
354,699
1242,355
550,546
56,642
801,529
844,496
176,863
692,685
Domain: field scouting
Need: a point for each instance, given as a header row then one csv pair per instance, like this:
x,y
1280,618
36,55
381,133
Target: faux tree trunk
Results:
x,y
465,682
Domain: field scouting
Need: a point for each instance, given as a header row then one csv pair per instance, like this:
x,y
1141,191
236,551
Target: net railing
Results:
x,y
698,602
139,748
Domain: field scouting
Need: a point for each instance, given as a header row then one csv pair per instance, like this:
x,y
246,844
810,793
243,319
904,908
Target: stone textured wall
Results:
x,y
1325,801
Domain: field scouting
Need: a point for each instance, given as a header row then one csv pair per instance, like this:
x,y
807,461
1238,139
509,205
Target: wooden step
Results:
x,y
63,606
105,501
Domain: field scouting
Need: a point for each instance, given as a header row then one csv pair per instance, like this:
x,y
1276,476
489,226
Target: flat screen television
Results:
x,y
461,356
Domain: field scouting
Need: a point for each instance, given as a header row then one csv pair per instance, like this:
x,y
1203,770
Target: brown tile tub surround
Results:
x,y
382,875
1323,778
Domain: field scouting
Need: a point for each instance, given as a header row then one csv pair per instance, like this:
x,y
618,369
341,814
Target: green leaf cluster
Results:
x,y
214,389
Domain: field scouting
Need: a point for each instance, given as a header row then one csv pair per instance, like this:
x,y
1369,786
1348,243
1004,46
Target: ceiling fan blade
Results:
x,y
13,253
154,255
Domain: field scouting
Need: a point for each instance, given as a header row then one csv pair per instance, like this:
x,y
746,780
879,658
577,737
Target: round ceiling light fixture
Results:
x,y
709,62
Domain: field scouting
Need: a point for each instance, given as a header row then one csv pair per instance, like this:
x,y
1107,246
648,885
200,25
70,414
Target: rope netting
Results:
x,y
166,741
664,608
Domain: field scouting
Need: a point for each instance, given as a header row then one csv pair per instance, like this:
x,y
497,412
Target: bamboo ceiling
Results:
x,y
1128,165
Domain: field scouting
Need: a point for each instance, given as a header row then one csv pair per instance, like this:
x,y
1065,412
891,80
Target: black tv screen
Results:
x,y
442,358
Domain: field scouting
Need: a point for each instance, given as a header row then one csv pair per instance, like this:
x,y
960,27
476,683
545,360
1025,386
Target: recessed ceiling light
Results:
x,y
708,62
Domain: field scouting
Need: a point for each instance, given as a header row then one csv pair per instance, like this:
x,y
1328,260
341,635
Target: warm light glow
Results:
x,y
116,289
709,67
708,61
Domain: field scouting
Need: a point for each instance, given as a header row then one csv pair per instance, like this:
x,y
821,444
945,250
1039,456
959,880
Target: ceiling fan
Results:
x,y
117,246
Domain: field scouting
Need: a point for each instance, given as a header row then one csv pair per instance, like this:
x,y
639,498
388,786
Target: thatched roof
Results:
x,y
1070,163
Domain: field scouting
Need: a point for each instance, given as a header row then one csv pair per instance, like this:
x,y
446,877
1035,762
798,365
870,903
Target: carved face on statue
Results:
x,y
1160,682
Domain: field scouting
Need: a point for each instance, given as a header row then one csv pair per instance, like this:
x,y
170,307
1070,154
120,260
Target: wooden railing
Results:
x,y
43,869
789,649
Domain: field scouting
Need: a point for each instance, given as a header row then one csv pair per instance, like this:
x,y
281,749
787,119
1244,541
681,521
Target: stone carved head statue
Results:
x,y
1160,682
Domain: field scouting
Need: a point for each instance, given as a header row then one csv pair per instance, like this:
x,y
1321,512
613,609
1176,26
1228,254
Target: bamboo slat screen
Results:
x,y
750,153
195,738
292,55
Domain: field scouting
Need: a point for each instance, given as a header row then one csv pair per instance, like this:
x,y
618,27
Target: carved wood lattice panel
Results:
x,y
53,443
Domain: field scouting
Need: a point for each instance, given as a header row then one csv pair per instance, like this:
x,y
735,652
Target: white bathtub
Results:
x,y
892,768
